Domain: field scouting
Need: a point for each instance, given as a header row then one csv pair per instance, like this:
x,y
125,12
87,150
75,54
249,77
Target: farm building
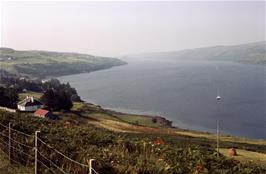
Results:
x,y
29,104
44,114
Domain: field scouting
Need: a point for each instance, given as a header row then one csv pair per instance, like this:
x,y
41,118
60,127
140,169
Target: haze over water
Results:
x,y
184,92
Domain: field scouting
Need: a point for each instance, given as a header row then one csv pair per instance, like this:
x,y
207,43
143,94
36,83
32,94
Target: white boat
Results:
x,y
218,97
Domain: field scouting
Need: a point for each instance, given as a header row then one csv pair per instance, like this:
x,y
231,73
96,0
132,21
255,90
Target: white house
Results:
x,y
29,104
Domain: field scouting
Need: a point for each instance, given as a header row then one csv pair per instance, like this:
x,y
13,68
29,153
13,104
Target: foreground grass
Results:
x,y
151,151
7,168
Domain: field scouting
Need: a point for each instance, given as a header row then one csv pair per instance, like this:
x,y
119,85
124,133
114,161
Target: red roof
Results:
x,y
41,112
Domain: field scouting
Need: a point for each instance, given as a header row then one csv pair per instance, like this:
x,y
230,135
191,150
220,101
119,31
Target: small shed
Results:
x,y
42,113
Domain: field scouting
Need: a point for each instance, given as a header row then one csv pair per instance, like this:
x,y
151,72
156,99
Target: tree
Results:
x,y
75,98
3,98
64,101
48,99
8,97
57,99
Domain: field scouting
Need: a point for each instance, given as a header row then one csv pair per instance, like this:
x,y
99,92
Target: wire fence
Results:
x,y
29,150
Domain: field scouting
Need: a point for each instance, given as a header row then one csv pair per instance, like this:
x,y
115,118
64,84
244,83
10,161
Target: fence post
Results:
x,y
36,151
90,169
9,143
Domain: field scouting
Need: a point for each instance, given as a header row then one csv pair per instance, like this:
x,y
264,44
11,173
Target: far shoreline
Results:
x,y
184,131
85,72
163,119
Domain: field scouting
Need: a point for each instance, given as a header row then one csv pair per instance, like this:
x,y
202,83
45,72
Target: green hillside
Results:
x,y
253,53
46,63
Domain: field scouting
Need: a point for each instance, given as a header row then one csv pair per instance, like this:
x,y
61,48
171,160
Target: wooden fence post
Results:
x,y
36,152
91,163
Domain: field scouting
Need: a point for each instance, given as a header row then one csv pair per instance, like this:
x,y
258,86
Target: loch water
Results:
x,y
184,92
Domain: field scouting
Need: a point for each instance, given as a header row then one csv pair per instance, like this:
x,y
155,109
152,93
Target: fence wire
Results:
x,y
10,143
76,162
51,162
40,162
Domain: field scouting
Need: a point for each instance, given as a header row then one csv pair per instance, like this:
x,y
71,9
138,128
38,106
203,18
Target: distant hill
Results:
x,y
246,53
47,63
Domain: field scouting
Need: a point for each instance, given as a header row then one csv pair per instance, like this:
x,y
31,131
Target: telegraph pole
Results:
x,y
217,138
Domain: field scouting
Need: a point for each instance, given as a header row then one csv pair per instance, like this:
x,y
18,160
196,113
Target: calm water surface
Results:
x,y
184,92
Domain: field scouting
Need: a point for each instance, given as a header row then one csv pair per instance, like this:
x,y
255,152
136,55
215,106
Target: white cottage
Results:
x,y
29,104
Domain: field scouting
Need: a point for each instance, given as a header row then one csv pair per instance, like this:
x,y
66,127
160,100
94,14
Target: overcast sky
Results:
x,y
118,28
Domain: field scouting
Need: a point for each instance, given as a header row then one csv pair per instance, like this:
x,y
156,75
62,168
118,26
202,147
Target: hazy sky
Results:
x,y
117,28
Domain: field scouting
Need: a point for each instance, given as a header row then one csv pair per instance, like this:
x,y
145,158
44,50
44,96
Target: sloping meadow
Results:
x,y
121,153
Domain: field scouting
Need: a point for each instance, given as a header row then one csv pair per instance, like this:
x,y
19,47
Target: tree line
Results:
x,y
56,95
21,84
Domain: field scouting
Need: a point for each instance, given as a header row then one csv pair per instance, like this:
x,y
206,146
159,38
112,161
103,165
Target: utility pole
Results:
x,y
218,98
217,138
36,151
